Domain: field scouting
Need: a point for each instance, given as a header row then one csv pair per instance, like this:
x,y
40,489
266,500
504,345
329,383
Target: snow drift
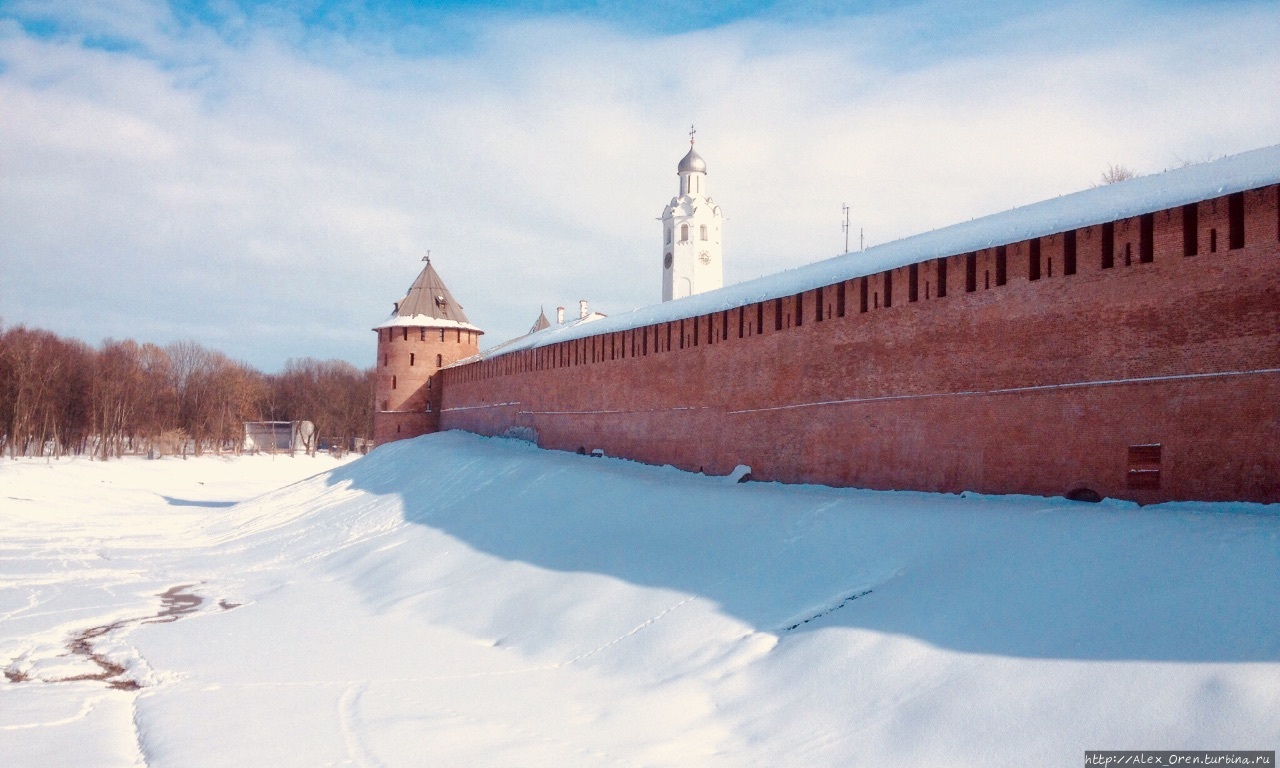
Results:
x,y
457,600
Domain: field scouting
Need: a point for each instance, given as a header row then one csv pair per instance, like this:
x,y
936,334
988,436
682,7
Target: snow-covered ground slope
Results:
x,y
457,600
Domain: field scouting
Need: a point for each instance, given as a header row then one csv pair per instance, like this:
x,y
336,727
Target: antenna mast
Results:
x,y
845,227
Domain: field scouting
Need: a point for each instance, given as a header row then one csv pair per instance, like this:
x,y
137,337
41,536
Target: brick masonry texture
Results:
x,y
1154,379
408,374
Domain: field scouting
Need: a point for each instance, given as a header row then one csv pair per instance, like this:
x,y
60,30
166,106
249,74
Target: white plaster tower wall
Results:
x,y
692,257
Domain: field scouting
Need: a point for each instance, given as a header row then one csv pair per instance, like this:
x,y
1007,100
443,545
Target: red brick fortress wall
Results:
x,y
1139,359
407,392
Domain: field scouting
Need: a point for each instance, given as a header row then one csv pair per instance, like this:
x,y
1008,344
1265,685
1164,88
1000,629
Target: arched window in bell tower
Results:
x,y
684,232
702,232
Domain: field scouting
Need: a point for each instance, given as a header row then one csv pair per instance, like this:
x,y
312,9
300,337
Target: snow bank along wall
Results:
x,y
1138,358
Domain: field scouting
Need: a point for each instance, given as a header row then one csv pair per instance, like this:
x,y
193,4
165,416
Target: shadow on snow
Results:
x,y
1010,576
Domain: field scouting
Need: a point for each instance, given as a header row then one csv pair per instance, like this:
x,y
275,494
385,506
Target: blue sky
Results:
x,y
264,177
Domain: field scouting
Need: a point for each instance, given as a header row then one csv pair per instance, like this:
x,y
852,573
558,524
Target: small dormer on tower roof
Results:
x,y
428,304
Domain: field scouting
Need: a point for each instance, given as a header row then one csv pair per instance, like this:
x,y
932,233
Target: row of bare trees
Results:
x,y
61,396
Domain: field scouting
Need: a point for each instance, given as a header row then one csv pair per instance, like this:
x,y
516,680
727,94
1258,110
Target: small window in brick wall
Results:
x,y
442,334
1033,260
1144,467
422,334
888,289
1147,238
1108,245
439,361
840,290
913,282
1191,229
411,356
1002,265
971,272
1235,221
863,297
393,382
1069,252
942,277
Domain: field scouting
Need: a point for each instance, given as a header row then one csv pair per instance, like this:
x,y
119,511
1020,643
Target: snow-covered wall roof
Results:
x,y
424,321
1145,194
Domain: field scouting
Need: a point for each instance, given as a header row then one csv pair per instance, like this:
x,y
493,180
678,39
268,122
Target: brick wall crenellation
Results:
x,y
1033,385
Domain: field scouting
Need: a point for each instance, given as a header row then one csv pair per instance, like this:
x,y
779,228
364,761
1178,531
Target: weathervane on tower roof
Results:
x,y
427,258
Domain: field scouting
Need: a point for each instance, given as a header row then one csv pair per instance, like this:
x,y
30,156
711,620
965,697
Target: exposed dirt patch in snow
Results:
x,y
832,609
113,673
175,602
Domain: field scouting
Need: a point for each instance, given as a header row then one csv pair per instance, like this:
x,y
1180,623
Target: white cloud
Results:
x,y
272,198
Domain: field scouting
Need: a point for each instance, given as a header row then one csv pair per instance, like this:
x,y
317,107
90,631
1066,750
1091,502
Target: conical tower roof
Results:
x,y
542,323
428,304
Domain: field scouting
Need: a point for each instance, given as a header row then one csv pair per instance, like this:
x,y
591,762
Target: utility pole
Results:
x,y
846,227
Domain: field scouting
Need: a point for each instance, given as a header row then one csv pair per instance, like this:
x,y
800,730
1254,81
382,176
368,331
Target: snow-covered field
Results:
x,y
461,601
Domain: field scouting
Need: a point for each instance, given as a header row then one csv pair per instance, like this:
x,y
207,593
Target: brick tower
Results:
x,y
427,330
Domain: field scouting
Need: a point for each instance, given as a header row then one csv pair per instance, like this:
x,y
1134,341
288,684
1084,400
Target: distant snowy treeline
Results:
x,y
62,396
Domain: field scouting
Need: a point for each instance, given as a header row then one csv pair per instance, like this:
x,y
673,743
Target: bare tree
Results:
x,y
1117,173
61,395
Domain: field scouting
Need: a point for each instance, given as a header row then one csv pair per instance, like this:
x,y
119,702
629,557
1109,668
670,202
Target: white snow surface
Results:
x,y
1111,202
456,600
422,321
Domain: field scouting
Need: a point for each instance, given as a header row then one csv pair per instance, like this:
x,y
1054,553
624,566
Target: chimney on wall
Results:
x,y
559,315
582,308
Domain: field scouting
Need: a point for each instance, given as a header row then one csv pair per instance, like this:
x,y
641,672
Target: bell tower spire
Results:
x,y
691,253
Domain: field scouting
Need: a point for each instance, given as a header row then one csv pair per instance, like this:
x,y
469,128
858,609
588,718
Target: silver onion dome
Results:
x,y
692,163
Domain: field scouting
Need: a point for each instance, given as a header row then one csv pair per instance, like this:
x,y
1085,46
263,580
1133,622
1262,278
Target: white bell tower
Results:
x,y
691,255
